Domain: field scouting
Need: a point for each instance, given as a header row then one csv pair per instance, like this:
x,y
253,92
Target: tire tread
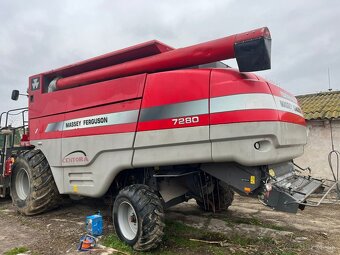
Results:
x,y
149,207
226,199
44,194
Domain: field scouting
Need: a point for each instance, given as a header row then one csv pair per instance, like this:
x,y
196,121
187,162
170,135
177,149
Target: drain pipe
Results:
x,y
336,154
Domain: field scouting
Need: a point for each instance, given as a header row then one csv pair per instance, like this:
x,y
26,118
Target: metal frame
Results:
x,y
8,146
316,204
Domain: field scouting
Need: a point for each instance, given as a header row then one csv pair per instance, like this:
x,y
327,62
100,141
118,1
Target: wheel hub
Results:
x,y
127,220
22,184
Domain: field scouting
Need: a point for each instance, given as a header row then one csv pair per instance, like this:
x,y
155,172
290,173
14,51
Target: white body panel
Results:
x,y
106,155
91,171
172,146
279,142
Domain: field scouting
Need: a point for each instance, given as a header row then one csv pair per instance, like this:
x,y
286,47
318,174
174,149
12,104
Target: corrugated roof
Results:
x,y
323,105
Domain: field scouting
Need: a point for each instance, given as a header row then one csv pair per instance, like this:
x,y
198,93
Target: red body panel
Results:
x,y
184,93
90,96
43,104
176,87
243,116
230,82
277,91
38,126
292,118
255,116
225,82
170,89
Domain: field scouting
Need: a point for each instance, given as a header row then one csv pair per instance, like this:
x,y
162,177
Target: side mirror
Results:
x,y
15,95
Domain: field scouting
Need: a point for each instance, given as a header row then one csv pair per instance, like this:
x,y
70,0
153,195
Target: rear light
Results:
x,y
8,166
25,141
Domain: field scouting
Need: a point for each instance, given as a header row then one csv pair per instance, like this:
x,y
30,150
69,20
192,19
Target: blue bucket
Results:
x,y
94,224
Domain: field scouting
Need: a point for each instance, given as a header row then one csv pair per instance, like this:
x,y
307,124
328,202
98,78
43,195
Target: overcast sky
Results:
x,y
36,36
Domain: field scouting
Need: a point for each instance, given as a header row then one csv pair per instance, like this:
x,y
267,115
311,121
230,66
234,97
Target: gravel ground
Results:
x,y
58,231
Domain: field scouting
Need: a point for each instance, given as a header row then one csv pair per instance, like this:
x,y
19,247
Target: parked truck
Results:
x,y
153,126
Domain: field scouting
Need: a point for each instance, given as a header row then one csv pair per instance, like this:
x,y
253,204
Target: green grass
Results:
x,y
16,250
177,241
253,221
114,242
286,253
177,238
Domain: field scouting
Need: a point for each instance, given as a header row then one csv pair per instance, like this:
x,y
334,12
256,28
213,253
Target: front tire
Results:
x,y
138,217
33,189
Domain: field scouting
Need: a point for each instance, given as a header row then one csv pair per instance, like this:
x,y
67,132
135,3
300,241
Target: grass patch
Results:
x,y
253,221
114,242
177,241
16,251
286,253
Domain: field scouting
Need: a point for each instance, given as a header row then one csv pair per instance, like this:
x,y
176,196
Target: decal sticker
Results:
x,y
288,97
94,121
182,113
75,157
75,188
186,120
35,83
196,107
252,179
251,102
288,106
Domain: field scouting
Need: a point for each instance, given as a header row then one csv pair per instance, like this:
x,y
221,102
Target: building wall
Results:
x,y
318,147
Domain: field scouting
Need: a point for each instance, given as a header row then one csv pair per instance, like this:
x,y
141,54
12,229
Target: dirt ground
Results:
x,y
54,232
58,231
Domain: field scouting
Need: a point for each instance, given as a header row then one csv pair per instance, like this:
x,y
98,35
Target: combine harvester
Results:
x,y
154,126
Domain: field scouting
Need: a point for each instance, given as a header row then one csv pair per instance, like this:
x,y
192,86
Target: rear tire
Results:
x,y
138,217
33,189
217,201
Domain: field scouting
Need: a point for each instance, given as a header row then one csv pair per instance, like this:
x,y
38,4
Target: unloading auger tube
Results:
x,y
251,50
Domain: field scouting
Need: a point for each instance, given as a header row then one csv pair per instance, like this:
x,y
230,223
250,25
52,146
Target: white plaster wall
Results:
x,y
318,147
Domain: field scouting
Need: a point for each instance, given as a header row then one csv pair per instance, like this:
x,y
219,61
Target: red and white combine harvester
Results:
x,y
155,126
